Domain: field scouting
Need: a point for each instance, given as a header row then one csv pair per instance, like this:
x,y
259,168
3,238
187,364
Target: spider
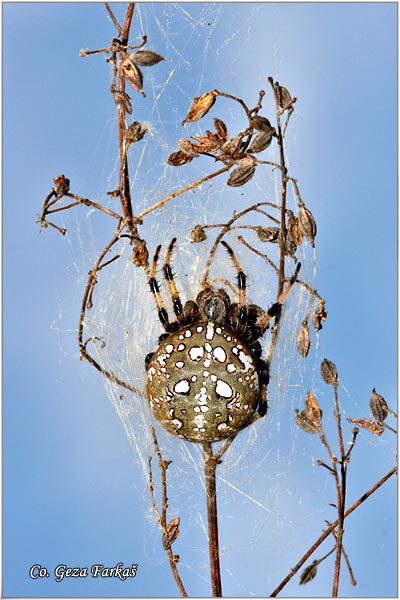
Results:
x,y
207,380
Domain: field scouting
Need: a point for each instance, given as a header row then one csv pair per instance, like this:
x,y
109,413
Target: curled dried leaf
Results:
x,y
145,58
171,533
290,245
123,100
373,426
140,254
329,372
319,315
135,132
268,234
198,234
304,422
176,159
309,573
206,144
61,185
241,175
200,107
261,141
133,74
303,340
310,418
307,223
378,406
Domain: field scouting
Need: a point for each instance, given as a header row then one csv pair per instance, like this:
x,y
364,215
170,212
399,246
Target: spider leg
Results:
x,y
242,289
275,308
158,299
173,292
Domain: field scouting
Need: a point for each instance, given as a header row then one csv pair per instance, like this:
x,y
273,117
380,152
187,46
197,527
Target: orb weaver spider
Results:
x,y
207,379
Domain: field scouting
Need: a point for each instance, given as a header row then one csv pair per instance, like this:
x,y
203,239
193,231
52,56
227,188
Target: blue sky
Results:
x,y
73,491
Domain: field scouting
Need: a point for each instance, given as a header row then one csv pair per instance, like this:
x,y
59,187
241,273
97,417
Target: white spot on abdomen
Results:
x,y
223,389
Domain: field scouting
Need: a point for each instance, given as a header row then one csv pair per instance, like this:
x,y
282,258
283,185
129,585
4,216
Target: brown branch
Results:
x,y
210,466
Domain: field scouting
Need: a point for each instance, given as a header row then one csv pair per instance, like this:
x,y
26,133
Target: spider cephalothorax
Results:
x,y
206,379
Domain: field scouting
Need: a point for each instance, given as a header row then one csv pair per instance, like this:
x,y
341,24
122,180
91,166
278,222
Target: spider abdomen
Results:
x,y
202,382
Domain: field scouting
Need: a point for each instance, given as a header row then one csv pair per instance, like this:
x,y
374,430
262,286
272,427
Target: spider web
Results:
x,y
267,488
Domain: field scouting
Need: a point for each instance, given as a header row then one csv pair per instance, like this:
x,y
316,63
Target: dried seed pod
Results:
x,y
135,132
241,175
294,227
290,245
310,418
378,406
200,107
198,234
231,148
307,223
268,234
140,254
172,532
319,315
61,185
284,97
373,426
206,144
304,422
176,159
303,340
187,147
221,129
261,141
260,123
133,74
123,100
145,58
329,372
309,573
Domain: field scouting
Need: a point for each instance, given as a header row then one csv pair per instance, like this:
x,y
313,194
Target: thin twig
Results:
x,y
210,465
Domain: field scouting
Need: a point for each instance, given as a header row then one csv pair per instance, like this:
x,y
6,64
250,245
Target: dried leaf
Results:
x,y
61,185
319,315
309,573
378,406
303,340
373,426
307,223
135,132
145,58
241,175
176,159
261,141
290,245
172,532
284,97
123,100
268,234
221,129
329,372
133,74
198,234
200,107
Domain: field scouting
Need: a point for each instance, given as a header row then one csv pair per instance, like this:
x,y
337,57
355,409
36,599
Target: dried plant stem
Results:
x,y
330,530
192,185
341,494
162,516
210,466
